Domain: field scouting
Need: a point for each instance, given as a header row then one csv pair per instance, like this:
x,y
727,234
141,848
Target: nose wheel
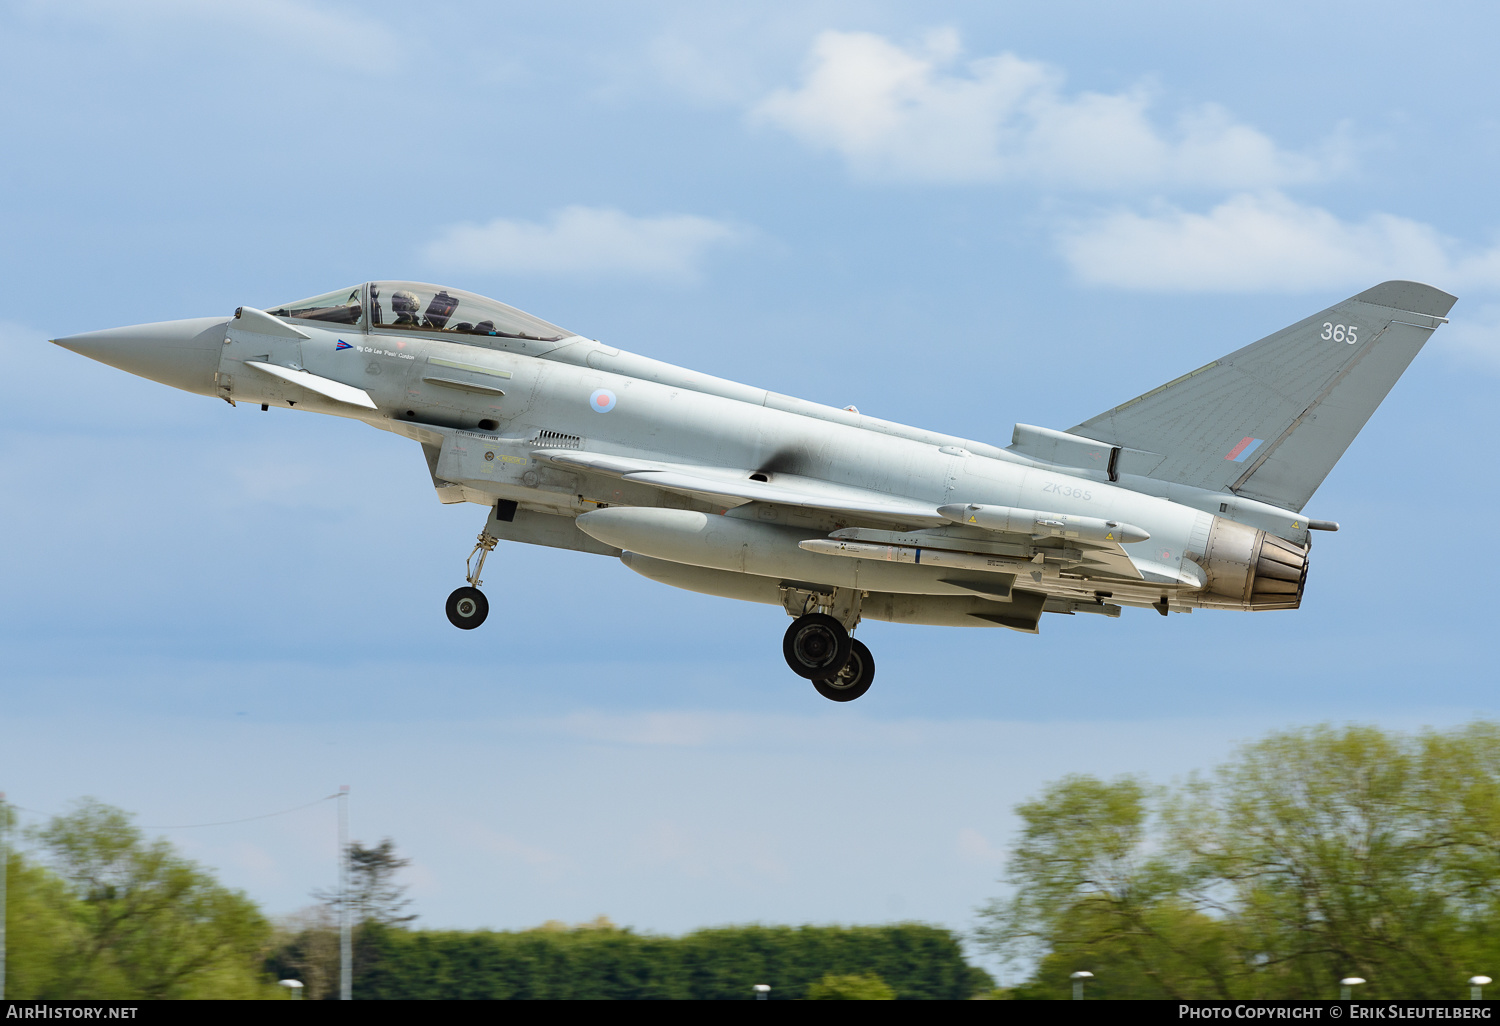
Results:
x,y
467,607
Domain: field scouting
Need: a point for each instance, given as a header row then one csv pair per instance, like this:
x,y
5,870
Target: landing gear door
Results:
x,y
262,339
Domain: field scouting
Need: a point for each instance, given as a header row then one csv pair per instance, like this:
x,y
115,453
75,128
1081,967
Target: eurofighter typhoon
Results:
x,y
1187,497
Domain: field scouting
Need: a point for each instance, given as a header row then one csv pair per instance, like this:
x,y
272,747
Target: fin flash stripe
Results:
x,y
1242,451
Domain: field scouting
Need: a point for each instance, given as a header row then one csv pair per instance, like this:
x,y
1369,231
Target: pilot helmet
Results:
x,y
403,302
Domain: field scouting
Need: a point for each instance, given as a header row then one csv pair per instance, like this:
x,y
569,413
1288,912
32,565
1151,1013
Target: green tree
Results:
x,y
134,919
1087,893
39,932
307,943
851,987
305,947
1308,856
374,895
1352,852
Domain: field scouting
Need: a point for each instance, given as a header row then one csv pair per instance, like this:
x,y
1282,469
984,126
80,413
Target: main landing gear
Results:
x,y
817,645
467,607
853,680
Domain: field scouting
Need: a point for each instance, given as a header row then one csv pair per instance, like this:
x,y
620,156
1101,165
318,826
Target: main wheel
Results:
x,y
815,646
467,608
853,680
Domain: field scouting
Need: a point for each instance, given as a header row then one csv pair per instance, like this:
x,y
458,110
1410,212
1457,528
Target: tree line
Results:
x,y
97,911
600,960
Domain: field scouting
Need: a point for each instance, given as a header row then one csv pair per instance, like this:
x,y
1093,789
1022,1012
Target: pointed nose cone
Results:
x,y
183,354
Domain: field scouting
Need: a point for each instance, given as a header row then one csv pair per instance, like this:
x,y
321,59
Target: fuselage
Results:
x,y
1188,496
497,416
667,413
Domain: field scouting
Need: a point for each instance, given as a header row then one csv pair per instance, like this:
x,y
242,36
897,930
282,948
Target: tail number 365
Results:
x,y
1340,332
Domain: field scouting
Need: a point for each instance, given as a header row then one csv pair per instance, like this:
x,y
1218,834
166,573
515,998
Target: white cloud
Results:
x,y
584,240
343,36
914,114
492,842
1474,338
684,729
974,848
723,72
1267,243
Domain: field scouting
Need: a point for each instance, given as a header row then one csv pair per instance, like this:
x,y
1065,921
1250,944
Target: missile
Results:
x,y
915,554
1041,524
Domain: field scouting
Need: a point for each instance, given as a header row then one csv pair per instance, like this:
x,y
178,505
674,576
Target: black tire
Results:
x,y
853,680
467,608
816,646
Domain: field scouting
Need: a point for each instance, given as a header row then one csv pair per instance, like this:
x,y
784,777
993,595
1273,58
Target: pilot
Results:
x,y
484,328
405,306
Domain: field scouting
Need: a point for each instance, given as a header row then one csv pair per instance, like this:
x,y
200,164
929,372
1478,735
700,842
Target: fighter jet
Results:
x,y
1187,497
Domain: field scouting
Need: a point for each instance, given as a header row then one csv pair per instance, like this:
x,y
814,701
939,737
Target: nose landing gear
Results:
x,y
817,645
467,607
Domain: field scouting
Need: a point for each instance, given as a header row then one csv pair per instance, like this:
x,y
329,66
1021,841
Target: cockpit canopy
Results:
x,y
415,306
345,306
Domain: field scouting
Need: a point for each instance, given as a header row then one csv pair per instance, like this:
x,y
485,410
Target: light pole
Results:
x,y
293,988
346,947
762,992
1476,987
1345,986
1078,979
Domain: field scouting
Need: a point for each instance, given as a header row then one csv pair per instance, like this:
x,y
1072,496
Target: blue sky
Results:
x,y
953,215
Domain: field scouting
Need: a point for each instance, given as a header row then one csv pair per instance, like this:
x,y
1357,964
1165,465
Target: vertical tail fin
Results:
x,y
1270,420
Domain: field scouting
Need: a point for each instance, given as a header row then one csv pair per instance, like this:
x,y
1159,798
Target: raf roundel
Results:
x,y
602,401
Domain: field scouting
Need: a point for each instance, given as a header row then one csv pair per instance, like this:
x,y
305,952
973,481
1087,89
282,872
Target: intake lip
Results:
x,y
184,354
